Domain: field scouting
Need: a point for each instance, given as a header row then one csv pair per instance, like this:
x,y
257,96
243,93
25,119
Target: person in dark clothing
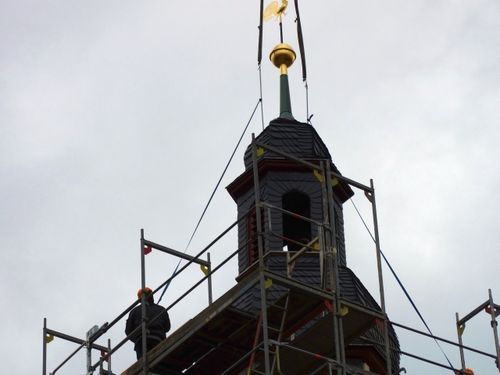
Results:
x,y
156,330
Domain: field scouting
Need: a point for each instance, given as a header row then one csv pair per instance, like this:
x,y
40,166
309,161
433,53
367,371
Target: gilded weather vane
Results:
x,y
274,9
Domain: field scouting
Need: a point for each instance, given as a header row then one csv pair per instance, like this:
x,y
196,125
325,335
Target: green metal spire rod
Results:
x,y
283,56
285,102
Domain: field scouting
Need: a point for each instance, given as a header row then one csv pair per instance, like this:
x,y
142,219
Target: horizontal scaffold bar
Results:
x,y
176,253
76,340
314,166
443,340
290,213
292,284
475,312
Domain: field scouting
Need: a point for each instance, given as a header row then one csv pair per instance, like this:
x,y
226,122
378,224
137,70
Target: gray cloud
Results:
x,y
121,115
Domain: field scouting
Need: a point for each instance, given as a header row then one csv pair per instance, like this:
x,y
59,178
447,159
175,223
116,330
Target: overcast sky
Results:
x,y
120,115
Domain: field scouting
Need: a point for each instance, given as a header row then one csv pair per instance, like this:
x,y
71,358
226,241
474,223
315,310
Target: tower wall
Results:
x,y
273,186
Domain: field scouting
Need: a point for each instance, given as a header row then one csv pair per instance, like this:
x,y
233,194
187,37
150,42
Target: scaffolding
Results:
x,y
493,311
271,341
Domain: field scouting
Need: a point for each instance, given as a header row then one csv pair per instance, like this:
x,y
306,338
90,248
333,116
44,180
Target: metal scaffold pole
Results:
x,y
209,280
494,327
339,335
109,357
143,308
460,341
380,276
328,263
44,370
263,299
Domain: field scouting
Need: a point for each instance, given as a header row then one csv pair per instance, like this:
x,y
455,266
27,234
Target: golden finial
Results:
x,y
282,56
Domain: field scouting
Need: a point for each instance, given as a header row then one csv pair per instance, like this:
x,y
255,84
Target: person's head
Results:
x,y
467,371
148,294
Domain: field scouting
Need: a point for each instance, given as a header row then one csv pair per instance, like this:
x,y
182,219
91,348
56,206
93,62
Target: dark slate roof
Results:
x,y
352,289
296,138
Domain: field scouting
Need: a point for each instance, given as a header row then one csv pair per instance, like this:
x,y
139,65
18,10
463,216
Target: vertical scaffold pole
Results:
x,y
380,277
494,326
335,275
143,308
329,280
323,239
109,356
460,341
44,361
89,354
263,299
209,279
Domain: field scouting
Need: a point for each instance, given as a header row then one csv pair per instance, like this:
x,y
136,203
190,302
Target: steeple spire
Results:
x,y
283,56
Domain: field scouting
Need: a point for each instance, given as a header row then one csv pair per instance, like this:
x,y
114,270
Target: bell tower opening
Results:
x,y
296,228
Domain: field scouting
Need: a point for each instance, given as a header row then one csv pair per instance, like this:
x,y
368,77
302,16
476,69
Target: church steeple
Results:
x,y
291,224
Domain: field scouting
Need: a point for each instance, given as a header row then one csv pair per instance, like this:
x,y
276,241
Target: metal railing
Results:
x,y
90,343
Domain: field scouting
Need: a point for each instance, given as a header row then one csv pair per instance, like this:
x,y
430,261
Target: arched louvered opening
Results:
x,y
295,228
